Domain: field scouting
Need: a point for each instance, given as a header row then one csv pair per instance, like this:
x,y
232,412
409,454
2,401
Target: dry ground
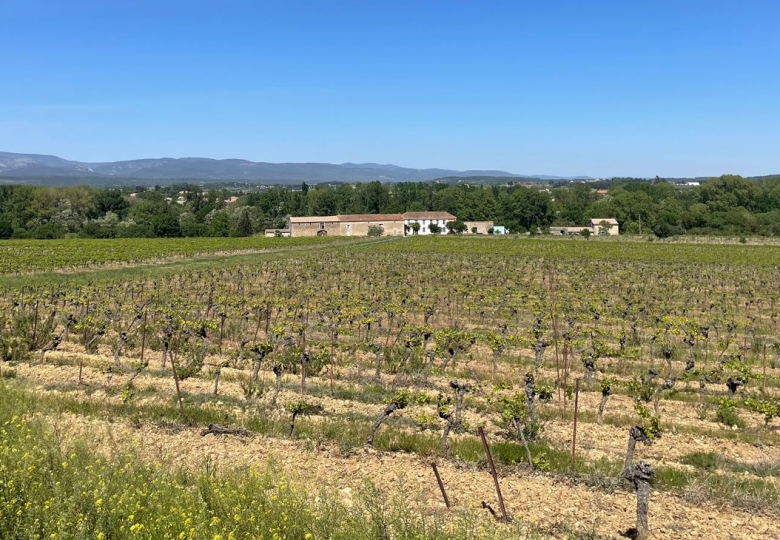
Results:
x,y
545,499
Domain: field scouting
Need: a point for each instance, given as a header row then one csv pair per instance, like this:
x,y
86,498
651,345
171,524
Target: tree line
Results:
x,y
727,205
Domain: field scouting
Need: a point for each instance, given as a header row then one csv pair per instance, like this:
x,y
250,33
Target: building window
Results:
x,y
322,226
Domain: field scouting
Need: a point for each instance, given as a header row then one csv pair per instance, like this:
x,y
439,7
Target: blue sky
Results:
x,y
601,88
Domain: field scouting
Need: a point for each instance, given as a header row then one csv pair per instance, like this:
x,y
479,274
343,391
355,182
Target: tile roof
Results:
x,y
611,221
347,218
429,215
314,219
371,217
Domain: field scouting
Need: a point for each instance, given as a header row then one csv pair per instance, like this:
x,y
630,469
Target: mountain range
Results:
x,y
37,168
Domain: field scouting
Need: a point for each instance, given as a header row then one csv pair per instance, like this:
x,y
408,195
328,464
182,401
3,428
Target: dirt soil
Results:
x,y
533,498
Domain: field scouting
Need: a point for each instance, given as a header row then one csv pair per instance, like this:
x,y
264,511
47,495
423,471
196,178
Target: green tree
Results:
x,y
322,202
166,225
457,226
244,226
220,225
109,200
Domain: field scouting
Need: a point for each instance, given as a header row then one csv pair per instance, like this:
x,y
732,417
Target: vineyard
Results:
x,y
437,387
27,256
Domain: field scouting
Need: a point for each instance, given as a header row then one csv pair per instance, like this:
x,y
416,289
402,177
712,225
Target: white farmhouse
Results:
x,y
424,220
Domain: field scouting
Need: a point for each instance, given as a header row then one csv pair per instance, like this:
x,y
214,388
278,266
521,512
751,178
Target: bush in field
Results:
x,y
766,406
728,415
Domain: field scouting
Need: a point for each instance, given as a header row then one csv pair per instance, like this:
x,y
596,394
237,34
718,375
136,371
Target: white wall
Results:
x,y
425,226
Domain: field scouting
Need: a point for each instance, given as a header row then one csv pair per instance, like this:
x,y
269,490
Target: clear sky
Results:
x,y
599,88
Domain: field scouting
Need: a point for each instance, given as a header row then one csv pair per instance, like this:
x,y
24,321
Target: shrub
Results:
x,y
728,415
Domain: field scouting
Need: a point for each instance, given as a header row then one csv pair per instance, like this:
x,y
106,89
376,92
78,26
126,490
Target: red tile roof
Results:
x,y
348,218
371,217
429,215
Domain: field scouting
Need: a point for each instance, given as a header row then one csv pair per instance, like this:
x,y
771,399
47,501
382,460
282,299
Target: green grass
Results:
x,y
52,490
711,461
348,432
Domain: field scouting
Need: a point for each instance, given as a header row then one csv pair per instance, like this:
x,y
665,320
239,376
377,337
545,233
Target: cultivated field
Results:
x,y
305,390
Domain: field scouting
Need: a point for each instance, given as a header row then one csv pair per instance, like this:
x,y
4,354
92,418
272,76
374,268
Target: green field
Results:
x,y
306,343
23,256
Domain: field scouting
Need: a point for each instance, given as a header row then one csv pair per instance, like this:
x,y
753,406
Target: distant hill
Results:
x,y
43,169
29,167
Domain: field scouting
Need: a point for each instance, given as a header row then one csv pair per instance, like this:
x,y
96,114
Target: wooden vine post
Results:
x,y
763,362
178,390
143,338
494,474
441,485
574,433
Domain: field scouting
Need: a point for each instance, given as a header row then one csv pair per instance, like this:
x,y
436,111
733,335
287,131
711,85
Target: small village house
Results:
x,y
604,226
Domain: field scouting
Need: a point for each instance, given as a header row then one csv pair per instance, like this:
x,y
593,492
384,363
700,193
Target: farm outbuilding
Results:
x,y
568,230
346,225
596,226
482,227
358,224
604,226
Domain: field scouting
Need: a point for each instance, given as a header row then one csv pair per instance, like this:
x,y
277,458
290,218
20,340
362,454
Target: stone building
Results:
x,y
482,227
346,225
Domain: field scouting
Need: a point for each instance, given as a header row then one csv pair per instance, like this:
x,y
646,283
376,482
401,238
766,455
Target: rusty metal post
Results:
x,y
441,485
574,434
494,474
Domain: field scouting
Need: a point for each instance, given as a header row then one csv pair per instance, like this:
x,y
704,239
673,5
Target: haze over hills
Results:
x,y
28,168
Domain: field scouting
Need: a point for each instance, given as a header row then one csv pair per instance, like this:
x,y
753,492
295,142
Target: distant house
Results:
x,y
500,229
478,227
563,231
596,226
425,220
314,226
231,199
604,226
346,225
